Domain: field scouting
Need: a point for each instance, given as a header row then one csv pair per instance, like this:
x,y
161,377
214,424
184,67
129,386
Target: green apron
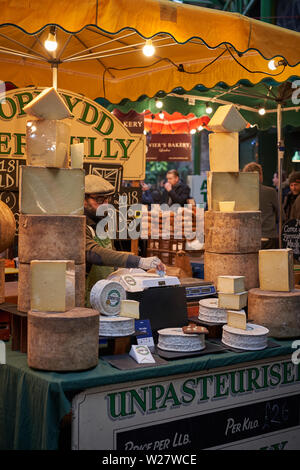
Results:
x,y
97,272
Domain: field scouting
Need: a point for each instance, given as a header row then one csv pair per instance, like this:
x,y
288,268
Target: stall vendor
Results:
x,y
101,258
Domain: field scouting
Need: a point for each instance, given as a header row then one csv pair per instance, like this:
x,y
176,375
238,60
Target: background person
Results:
x,y
101,258
268,205
291,204
175,191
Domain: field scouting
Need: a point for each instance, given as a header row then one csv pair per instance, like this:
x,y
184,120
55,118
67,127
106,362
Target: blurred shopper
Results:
x,y
268,205
291,204
175,191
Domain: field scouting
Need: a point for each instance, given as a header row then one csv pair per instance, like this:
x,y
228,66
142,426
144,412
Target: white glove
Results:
x,y
149,263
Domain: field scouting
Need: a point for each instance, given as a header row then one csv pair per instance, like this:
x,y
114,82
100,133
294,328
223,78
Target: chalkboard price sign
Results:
x,y
10,173
291,237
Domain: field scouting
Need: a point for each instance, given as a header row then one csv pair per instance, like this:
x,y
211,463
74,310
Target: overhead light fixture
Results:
x,y
296,157
148,49
193,131
51,43
208,109
159,104
262,111
161,115
275,63
200,128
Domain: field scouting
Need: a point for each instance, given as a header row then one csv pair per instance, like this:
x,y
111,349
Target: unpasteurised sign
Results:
x,y
105,138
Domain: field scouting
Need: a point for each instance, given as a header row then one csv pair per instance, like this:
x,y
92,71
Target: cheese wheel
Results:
x,y
51,237
24,286
277,311
106,297
7,227
245,264
67,341
232,232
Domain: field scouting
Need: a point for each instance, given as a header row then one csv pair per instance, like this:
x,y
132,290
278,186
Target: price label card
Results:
x,y
145,337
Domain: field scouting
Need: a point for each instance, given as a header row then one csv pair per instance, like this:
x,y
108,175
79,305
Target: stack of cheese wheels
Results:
x,y
276,304
51,287
232,224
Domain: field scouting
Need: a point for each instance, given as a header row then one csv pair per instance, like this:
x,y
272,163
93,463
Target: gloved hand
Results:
x,y
151,262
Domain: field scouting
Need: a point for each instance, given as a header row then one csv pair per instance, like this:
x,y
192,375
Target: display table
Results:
x,y
33,403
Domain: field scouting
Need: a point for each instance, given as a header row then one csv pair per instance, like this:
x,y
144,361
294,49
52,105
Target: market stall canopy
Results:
x,y
100,46
246,97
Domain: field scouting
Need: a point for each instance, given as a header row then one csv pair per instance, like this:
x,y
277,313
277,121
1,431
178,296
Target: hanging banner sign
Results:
x,y
105,138
132,120
169,147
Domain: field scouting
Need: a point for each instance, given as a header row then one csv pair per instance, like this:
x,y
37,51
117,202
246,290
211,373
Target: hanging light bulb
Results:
x,y
159,104
193,131
200,128
275,63
148,49
262,111
161,115
50,43
208,109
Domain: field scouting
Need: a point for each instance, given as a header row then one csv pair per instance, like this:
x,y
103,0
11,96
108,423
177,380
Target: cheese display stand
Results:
x,y
227,378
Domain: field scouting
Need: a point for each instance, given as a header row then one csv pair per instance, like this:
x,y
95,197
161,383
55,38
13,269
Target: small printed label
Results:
x,y
113,298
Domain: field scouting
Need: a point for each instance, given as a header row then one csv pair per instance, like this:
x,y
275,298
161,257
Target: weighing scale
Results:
x,y
197,288
139,282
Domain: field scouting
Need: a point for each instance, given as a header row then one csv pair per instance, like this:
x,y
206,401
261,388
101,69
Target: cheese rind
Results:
x,y
243,188
224,151
48,105
237,319
233,301
231,284
51,191
227,119
52,285
130,309
47,143
276,271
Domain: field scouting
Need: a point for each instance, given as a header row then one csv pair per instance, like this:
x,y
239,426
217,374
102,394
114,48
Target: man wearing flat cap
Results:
x,y
291,203
101,258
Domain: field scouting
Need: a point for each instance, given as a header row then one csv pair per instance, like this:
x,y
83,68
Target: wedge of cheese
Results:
x,y
233,301
237,319
51,191
48,105
231,284
227,119
224,151
243,188
47,143
52,285
130,309
276,270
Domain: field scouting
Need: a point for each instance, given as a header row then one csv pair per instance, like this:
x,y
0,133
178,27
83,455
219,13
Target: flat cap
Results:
x,y
97,184
295,177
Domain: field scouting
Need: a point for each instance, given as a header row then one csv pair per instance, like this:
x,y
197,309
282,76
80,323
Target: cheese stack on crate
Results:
x,y
232,223
62,334
276,303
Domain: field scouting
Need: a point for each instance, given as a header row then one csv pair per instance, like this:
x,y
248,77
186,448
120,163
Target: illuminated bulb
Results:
x,y
272,65
145,132
208,109
200,128
159,104
161,115
50,43
261,111
193,131
148,49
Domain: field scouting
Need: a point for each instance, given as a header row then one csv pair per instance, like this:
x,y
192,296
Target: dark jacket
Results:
x,y
179,194
291,206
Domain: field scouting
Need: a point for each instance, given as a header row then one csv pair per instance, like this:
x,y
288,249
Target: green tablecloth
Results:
x,y
32,403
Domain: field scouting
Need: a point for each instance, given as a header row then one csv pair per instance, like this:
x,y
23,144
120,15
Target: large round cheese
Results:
x,y
65,341
254,338
174,339
116,326
277,311
210,312
2,281
52,237
232,232
7,227
245,264
106,297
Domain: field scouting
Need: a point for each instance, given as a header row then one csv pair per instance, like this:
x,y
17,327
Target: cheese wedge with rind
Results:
x,y
231,284
48,105
227,119
130,309
233,301
276,270
224,151
242,187
237,319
